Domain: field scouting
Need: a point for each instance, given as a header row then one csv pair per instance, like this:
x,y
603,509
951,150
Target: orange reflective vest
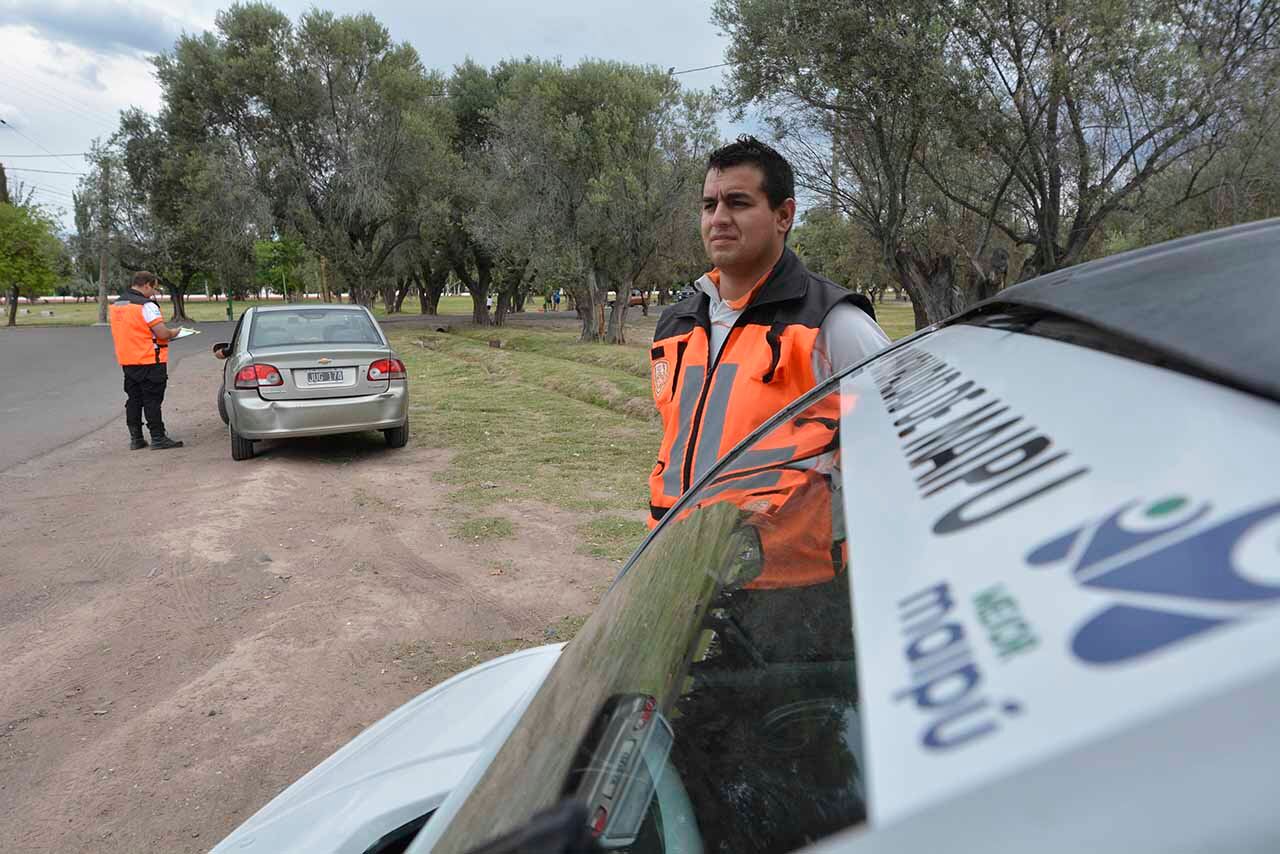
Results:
x,y
765,363
134,340
782,486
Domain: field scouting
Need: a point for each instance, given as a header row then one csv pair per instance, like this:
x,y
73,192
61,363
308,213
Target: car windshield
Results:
x,y
713,695
312,326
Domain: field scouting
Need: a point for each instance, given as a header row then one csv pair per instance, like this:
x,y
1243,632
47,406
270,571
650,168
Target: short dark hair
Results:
x,y
142,278
779,180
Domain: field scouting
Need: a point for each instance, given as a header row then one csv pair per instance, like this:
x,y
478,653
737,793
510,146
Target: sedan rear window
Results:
x,y
312,326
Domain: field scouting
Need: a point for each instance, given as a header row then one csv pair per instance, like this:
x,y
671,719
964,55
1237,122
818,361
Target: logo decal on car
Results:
x,y
1184,578
947,686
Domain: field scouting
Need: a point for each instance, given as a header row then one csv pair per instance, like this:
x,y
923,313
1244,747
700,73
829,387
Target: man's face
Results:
x,y
148,290
739,229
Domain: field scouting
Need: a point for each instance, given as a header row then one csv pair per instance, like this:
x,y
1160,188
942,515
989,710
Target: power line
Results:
x,y
62,104
48,90
51,198
32,141
672,70
47,189
46,171
72,154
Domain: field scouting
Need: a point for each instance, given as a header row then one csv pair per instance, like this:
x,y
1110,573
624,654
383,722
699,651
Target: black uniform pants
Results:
x,y
144,384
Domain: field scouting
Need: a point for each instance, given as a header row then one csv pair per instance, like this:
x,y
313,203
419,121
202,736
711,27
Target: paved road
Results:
x,y
58,384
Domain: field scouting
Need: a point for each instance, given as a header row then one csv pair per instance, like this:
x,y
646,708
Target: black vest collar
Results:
x,y
130,295
787,281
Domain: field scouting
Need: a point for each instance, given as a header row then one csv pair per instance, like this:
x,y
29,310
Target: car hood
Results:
x,y
398,769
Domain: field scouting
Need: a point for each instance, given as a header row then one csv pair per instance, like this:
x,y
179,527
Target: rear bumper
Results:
x,y
255,418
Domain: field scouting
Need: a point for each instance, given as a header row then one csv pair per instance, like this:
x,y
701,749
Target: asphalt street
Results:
x,y
61,383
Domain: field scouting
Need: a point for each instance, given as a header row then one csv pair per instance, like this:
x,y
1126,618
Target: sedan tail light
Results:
x,y
386,369
255,376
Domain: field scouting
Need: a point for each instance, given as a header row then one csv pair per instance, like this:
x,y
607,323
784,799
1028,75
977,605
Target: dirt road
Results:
x,y
182,636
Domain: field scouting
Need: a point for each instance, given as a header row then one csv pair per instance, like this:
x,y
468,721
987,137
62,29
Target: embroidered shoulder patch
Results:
x,y
661,374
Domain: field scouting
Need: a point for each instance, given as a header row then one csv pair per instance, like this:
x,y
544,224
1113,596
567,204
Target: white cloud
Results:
x,y
102,27
70,67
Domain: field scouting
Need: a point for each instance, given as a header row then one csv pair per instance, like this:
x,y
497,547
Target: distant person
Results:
x,y
555,299
758,331
142,348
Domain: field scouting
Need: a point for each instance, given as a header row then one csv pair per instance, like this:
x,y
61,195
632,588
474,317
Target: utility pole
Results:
x,y
104,237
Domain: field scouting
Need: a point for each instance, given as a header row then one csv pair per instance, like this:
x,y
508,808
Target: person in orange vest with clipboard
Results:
x,y
142,348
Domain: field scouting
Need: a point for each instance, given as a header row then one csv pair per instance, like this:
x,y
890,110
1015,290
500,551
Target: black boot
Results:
x,y
163,442
137,443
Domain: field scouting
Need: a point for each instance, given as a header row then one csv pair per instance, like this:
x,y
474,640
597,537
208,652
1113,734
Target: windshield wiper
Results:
x,y
562,829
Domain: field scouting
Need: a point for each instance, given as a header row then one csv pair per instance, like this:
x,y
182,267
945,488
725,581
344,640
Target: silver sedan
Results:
x,y
310,370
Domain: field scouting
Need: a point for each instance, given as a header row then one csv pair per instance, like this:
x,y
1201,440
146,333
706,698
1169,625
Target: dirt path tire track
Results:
x,y
172,657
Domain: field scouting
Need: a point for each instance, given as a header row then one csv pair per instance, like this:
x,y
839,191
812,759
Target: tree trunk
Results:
x,y
479,311
389,297
402,292
617,333
589,304
929,279
13,305
501,308
178,296
325,296
431,284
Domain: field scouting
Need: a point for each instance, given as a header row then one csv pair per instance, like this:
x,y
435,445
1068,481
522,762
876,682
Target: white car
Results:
x,y
1010,585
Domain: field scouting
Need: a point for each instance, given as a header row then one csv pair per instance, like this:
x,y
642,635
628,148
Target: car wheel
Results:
x,y
397,437
222,404
241,448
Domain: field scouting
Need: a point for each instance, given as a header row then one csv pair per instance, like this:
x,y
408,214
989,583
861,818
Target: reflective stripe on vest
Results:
x,y
781,490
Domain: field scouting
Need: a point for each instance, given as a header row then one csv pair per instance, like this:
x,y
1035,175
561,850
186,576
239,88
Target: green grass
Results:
x,y
485,528
612,537
534,424
896,319
546,420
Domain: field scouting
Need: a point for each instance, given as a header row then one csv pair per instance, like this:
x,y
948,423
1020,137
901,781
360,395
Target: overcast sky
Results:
x,y
68,66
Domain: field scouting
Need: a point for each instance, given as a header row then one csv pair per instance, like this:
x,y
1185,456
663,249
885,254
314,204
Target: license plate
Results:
x,y
333,375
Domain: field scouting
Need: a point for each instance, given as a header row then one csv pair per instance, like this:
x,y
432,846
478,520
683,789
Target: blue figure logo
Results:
x,y
1199,578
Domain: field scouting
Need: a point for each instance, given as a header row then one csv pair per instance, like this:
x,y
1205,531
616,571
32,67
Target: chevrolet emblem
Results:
x,y
324,360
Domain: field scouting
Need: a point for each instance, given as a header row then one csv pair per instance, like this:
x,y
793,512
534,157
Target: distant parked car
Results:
x,y
295,371
635,298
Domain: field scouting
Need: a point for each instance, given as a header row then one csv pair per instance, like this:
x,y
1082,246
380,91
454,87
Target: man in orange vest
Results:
x,y
759,330
142,348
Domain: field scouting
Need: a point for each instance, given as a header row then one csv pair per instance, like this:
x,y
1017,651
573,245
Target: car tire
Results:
x,y
397,437
241,448
222,404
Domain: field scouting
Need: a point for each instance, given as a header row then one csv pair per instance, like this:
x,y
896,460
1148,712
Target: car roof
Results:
x,y
1212,300
307,306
